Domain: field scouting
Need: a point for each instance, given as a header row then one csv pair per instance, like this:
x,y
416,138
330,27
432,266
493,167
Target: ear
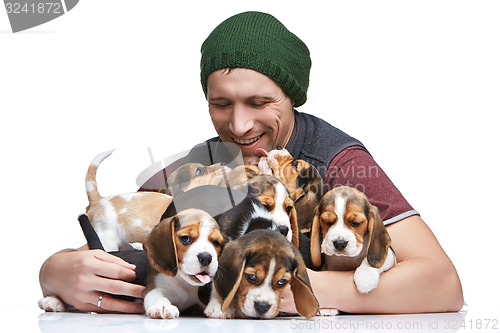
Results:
x,y
316,239
295,228
160,247
306,303
379,239
310,181
228,278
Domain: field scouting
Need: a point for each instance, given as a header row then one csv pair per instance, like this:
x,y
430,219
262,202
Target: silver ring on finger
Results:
x,y
99,301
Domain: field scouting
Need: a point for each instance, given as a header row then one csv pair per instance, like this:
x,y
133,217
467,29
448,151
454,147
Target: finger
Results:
x,y
113,271
117,287
109,304
106,257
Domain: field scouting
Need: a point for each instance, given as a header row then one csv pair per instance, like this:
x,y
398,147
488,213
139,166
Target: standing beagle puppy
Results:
x,y
303,181
122,219
351,234
183,251
253,271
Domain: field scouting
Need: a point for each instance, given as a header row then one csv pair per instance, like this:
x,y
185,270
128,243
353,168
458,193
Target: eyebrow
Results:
x,y
265,98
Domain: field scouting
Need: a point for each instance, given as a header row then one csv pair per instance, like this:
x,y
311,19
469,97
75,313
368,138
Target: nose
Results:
x,y
261,307
340,245
283,230
242,121
205,258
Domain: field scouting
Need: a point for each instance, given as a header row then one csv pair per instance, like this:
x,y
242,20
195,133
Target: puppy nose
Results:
x,y
340,245
261,307
283,230
205,258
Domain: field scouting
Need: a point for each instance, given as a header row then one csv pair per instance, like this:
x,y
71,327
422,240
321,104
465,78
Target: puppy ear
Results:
x,y
316,239
295,227
306,303
228,278
160,247
379,239
310,181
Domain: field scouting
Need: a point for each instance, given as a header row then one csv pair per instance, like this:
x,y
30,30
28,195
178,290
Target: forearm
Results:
x,y
423,280
412,286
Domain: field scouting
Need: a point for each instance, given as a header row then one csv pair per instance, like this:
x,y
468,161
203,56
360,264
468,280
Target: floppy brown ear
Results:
x,y
160,247
295,228
227,280
316,239
379,239
306,303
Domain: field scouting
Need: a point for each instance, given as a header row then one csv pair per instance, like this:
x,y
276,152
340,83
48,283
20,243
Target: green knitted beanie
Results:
x,y
260,42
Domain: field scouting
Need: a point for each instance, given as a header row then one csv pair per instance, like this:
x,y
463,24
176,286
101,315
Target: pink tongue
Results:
x,y
205,278
260,152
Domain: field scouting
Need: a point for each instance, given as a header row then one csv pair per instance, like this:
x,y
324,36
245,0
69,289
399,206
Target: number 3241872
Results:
x,y
40,8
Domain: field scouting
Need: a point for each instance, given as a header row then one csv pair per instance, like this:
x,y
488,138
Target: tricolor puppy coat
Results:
x,y
253,271
125,218
183,251
350,233
236,212
302,180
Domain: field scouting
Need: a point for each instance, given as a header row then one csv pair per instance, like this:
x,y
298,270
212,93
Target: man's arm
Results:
x,y
423,280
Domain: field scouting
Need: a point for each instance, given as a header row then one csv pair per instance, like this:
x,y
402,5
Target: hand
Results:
x,y
79,278
287,301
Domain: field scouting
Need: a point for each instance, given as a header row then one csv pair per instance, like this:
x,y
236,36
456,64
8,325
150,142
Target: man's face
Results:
x,y
249,109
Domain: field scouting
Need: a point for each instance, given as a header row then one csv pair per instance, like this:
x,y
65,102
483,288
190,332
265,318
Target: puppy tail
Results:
x,y
90,179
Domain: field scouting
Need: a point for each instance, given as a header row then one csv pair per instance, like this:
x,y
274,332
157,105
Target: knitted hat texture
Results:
x,y
260,42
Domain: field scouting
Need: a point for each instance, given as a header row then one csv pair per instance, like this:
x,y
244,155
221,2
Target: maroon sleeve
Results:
x,y
355,167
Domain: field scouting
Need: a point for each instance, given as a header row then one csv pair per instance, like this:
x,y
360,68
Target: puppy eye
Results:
x,y
199,171
216,243
281,283
295,163
355,224
251,278
268,207
186,240
288,209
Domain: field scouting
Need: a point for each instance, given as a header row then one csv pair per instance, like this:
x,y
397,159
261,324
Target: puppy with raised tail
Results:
x,y
183,251
350,233
125,218
253,271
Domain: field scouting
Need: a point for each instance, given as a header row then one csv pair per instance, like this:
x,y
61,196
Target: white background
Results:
x,y
418,82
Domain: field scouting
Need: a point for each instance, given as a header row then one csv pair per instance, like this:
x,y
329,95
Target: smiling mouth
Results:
x,y
248,141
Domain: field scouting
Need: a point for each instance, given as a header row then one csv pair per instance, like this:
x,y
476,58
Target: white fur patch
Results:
x,y
264,293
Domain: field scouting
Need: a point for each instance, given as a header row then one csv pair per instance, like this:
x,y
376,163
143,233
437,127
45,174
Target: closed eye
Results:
x,y
355,224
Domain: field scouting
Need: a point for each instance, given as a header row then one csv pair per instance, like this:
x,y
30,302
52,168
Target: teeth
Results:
x,y
247,142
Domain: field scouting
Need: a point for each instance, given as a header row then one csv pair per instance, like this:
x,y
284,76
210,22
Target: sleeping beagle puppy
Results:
x,y
303,181
183,251
351,234
122,219
191,175
253,271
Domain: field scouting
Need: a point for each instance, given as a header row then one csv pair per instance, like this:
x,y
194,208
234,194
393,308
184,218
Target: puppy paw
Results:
x,y
366,278
327,312
213,310
51,304
163,310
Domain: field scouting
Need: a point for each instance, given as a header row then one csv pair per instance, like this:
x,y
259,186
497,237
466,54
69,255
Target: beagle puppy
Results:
x,y
349,231
303,181
274,196
191,175
236,212
239,176
253,271
183,251
122,219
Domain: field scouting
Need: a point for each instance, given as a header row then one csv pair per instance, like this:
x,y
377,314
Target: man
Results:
x,y
254,72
